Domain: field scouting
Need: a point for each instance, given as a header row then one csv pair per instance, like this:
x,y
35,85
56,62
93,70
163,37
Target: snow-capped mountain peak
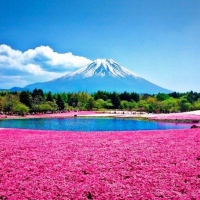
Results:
x,y
103,67
101,74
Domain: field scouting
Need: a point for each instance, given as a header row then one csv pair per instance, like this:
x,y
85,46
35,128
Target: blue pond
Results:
x,y
89,124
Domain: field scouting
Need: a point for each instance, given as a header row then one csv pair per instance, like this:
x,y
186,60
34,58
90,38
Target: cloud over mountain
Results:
x,y
35,65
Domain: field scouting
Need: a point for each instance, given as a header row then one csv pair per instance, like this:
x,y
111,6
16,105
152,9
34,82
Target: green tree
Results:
x,y
38,96
45,107
64,97
60,102
73,100
1,103
185,105
162,96
3,93
99,104
134,97
128,105
143,105
90,103
21,109
49,96
25,98
197,105
108,104
175,95
8,107
9,102
125,96
115,100
192,96
53,105
101,95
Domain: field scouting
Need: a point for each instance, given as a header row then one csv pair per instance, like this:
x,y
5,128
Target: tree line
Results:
x,y
37,101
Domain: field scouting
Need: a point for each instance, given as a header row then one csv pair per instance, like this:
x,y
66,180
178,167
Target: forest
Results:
x,y
37,101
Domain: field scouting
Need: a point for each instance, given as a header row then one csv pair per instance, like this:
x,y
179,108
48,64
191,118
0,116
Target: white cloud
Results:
x,y
33,65
66,60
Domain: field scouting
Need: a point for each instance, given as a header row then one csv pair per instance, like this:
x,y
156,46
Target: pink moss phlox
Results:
x,y
178,116
99,165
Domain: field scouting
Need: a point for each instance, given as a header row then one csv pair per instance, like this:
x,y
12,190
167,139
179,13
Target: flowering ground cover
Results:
x,y
179,117
54,115
99,165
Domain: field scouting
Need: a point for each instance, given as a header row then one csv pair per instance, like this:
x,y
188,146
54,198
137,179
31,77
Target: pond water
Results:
x,y
89,124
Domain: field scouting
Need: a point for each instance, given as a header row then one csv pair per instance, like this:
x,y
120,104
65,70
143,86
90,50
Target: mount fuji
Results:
x,y
101,74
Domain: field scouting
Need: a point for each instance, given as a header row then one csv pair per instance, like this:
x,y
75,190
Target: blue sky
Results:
x,y
156,39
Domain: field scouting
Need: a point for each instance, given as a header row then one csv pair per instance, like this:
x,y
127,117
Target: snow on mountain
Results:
x,y
101,74
102,67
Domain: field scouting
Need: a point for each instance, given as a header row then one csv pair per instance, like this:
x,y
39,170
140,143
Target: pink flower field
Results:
x,y
54,115
176,117
99,165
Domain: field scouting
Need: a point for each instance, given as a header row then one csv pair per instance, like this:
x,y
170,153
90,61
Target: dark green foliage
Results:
x,y
125,96
115,100
49,96
26,98
90,104
60,102
192,96
184,105
8,107
145,96
162,96
135,97
38,92
64,97
102,95
3,93
38,96
73,100
175,95
9,102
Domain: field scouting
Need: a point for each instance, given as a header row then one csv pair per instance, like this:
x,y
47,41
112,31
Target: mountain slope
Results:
x,y
102,74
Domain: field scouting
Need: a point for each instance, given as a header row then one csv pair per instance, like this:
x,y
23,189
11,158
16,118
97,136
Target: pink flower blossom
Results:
x,y
99,165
